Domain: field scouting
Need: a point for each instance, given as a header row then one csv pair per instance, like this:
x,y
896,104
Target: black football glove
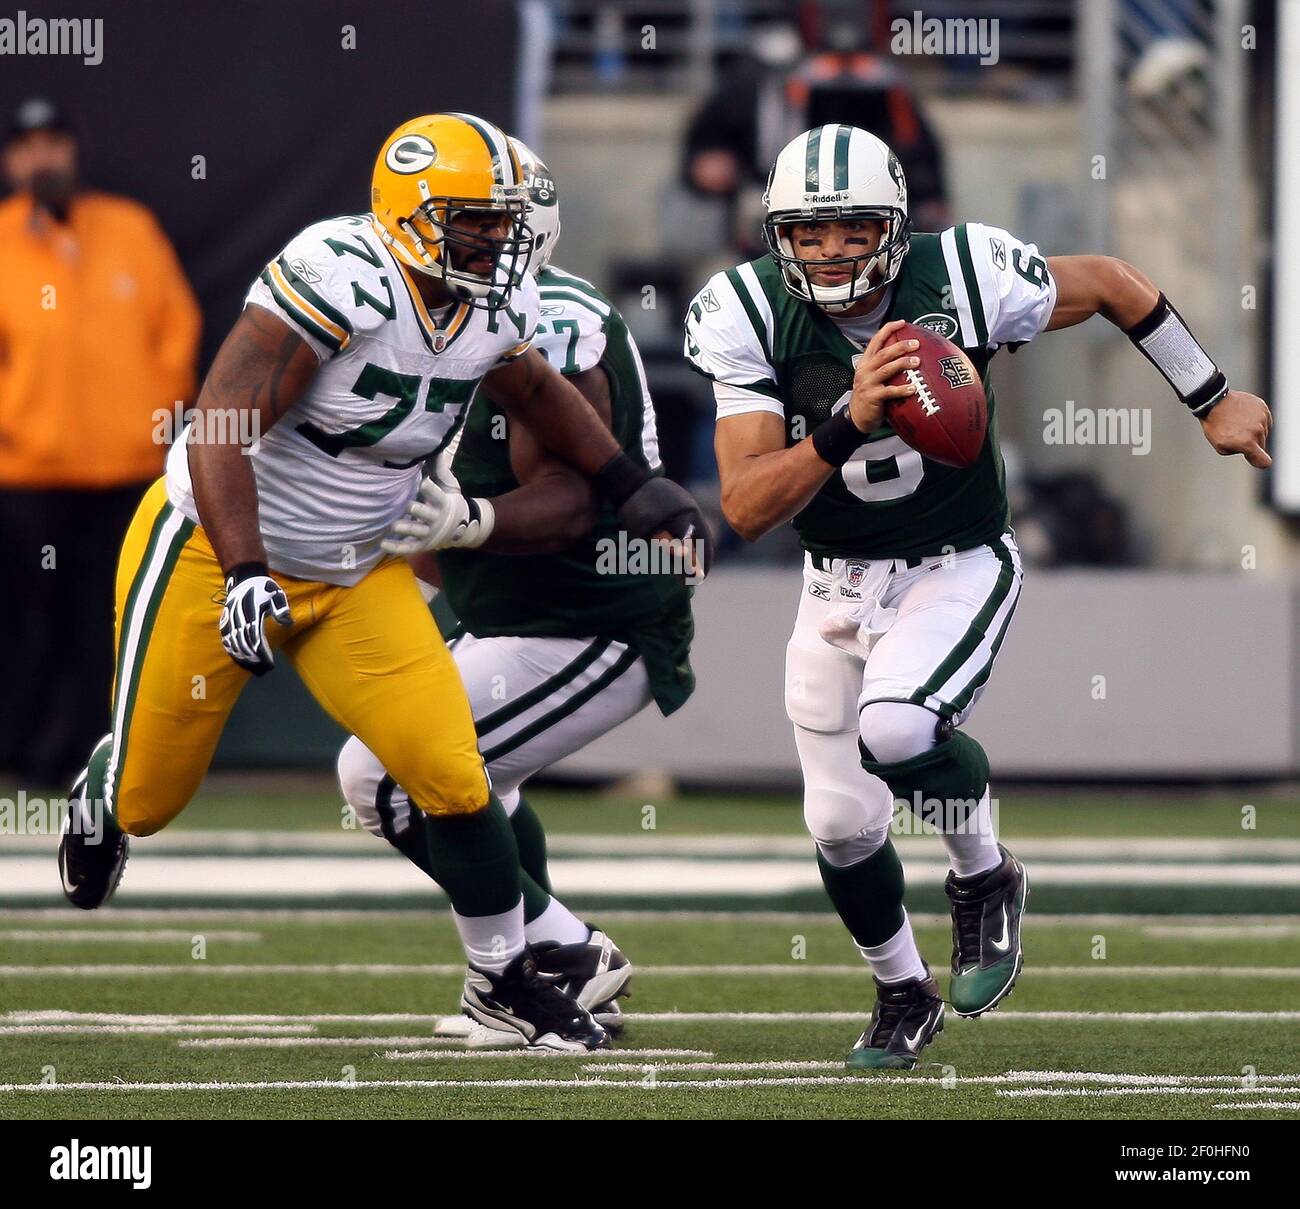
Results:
x,y
251,595
649,504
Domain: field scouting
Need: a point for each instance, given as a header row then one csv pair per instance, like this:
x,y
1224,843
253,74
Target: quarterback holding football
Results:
x,y
911,572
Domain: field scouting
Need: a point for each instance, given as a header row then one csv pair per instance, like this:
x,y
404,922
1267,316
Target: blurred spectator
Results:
x,y
760,105
98,332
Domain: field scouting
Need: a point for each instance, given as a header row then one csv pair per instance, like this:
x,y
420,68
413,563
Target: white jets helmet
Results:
x,y
837,172
544,205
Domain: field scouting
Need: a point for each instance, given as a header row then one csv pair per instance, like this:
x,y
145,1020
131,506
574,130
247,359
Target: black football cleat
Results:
x,y
986,951
906,1018
524,1002
593,971
92,851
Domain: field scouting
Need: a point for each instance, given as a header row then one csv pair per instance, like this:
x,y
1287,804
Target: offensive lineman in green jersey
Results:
x,y
911,572
555,644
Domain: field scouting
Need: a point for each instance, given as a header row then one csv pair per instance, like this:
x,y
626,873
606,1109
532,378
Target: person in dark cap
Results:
x,y
98,335
41,156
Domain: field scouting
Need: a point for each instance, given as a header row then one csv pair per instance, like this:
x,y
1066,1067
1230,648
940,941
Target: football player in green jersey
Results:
x,y
556,644
911,571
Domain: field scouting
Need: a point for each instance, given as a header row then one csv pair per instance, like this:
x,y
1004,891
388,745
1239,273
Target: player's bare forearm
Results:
x,y
260,371
544,516
763,483
553,506
554,411
1099,285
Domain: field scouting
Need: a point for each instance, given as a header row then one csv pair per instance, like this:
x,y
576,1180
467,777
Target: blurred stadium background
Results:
x,y
1156,643
1144,720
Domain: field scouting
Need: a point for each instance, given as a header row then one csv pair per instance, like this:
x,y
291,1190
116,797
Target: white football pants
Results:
x,y
912,646
535,701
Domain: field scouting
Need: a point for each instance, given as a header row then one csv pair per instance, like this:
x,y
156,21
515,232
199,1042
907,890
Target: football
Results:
x,y
947,419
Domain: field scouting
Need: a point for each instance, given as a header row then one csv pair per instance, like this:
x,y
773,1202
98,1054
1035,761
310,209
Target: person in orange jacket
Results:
x,y
98,337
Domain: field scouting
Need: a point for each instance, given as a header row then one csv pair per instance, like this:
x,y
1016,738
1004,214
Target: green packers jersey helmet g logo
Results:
x,y
411,154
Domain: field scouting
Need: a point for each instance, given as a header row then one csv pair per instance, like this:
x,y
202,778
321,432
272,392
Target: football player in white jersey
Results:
x,y
553,653
353,361
912,574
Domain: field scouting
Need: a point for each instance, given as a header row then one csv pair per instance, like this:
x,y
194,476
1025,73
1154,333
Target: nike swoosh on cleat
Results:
x,y
1003,944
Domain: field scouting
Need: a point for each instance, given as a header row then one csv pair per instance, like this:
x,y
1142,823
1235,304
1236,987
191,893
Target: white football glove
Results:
x,y
441,518
250,597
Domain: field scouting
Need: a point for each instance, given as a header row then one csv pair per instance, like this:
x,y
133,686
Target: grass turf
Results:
x,y
996,1045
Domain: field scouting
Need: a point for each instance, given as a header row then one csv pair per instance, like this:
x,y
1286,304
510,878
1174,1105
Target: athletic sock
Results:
x,y
536,900
557,923
973,848
474,859
898,959
868,894
492,942
530,837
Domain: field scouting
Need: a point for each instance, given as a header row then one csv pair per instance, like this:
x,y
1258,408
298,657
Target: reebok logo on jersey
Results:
x,y
305,271
999,250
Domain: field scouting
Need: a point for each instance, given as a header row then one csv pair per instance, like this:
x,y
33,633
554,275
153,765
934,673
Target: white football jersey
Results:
x,y
340,467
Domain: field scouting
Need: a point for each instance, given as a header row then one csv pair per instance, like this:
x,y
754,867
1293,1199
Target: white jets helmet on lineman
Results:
x,y
837,172
543,205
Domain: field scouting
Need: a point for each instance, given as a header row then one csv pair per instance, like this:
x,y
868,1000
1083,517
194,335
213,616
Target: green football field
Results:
x,y
1173,990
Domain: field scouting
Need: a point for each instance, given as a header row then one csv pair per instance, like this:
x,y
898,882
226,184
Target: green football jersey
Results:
x,y
573,593
766,350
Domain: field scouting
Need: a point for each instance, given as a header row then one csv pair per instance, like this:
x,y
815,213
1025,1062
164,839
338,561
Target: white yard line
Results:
x,y
1287,1105
666,878
99,936
314,1042
220,969
50,1030
669,1017
605,1059
792,969
1007,1016
434,912
637,844
650,1081
1043,1093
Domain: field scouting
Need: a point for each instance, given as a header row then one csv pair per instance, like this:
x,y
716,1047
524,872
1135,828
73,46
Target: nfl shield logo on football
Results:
x,y
857,572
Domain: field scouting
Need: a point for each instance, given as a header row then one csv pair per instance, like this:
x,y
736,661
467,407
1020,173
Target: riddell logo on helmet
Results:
x,y
823,199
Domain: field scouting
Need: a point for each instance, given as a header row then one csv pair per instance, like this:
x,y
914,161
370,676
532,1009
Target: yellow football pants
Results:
x,y
370,654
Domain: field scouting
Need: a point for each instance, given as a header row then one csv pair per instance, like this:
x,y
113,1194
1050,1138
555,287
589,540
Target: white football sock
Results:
x,y
492,942
898,959
557,923
974,849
